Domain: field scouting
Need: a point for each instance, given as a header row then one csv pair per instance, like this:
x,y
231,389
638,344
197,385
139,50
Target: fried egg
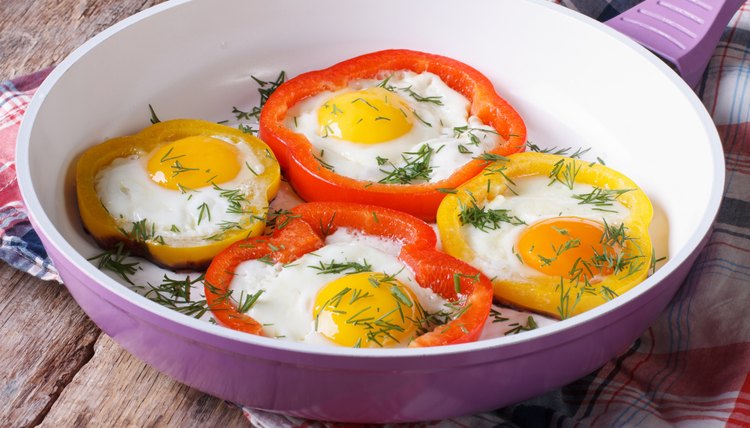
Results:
x,y
546,231
185,192
373,129
353,292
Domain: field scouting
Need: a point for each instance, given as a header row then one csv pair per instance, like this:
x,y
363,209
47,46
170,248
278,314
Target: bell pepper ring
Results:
x,y
305,230
624,259
314,182
179,139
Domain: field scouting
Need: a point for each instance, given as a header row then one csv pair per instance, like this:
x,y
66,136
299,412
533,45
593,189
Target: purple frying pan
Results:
x,y
93,94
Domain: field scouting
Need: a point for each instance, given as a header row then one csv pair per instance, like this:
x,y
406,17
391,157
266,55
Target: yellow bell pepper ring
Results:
x,y
554,258
177,192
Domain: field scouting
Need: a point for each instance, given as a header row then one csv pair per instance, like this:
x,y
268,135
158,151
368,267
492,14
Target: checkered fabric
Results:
x,y
690,368
20,246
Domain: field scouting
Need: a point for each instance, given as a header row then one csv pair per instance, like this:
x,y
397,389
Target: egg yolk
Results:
x,y
194,162
366,310
368,116
564,246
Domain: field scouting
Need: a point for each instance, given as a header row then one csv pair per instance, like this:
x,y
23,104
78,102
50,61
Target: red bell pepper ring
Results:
x,y
313,182
284,246
305,232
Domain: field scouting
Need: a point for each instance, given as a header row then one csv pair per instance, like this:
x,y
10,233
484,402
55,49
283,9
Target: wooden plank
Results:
x,y
40,33
46,339
116,389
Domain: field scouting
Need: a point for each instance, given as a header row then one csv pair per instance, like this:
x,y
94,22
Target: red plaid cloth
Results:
x,y
690,368
20,246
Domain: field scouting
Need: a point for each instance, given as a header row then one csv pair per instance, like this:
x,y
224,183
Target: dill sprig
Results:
x,y
420,98
244,115
460,131
559,151
247,301
497,316
417,167
402,297
615,234
334,267
362,100
491,157
178,168
334,301
204,212
607,293
500,170
518,328
279,219
327,228
600,197
114,260
154,119
236,199
654,261
419,118
247,129
384,278
175,294
323,163
564,308
265,89
229,225
385,84
167,156
139,231
565,172
484,218
457,280
428,321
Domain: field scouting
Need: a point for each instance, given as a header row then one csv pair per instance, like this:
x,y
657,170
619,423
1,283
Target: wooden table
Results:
x,y
56,367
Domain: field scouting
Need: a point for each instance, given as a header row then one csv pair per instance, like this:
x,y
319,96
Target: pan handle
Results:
x,y
682,32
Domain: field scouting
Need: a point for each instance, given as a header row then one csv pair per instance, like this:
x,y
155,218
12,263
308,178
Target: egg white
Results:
x,y
285,308
535,199
452,149
130,196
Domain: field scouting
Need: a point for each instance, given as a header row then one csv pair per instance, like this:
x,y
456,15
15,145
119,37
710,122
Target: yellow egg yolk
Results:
x,y
565,246
194,162
366,310
368,116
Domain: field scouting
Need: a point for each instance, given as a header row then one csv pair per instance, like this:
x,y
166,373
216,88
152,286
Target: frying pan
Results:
x,y
575,81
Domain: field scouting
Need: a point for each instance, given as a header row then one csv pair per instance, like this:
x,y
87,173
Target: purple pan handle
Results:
x,y
683,32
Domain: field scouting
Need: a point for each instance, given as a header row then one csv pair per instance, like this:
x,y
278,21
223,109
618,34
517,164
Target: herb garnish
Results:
x,y
518,328
178,168
247,301
558,151
564,172
203,211
265,89
417,167
114,260
417,97
484,218
154,119
459,131
335,267
175,294
600,197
